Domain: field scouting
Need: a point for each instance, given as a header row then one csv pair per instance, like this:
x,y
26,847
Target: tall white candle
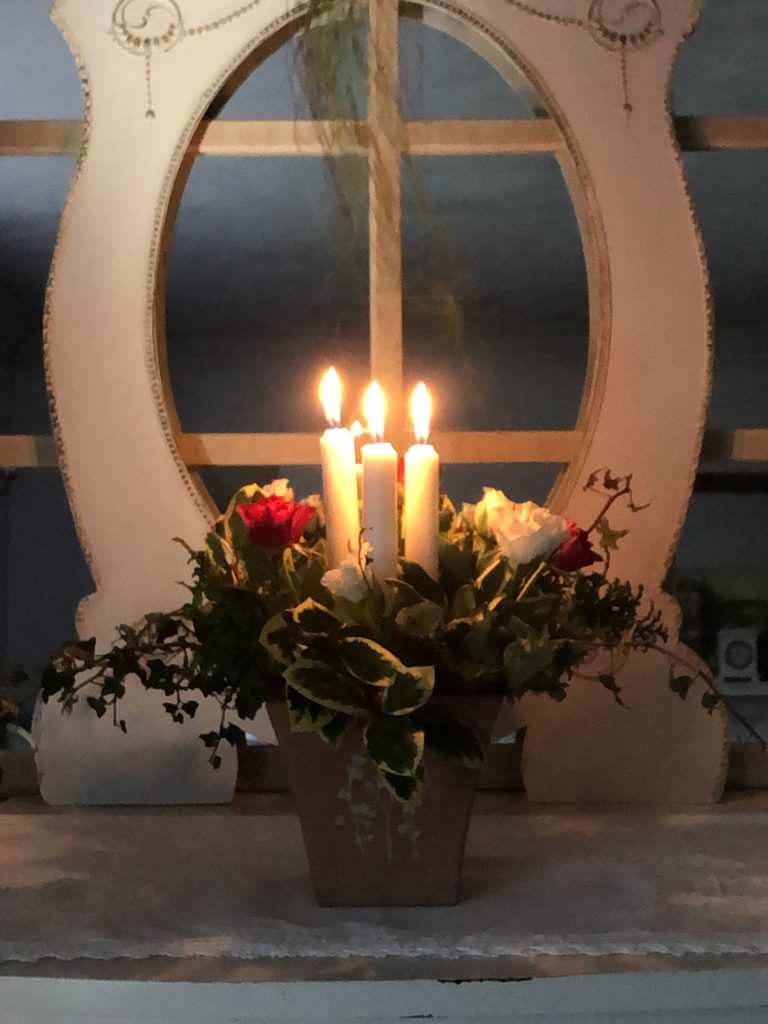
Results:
x,y
422,489
380,489
337,452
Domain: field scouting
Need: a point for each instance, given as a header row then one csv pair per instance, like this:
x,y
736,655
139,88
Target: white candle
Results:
x,y
337,451
422,489
380,490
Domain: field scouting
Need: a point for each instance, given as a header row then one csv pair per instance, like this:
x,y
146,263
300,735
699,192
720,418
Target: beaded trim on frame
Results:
x,y
147,27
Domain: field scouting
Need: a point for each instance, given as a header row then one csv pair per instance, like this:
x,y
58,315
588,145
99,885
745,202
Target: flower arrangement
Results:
x,y
522,603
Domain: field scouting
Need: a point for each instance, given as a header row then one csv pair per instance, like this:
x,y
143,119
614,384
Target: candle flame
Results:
x,y
421,412
330,396
375,409
357,429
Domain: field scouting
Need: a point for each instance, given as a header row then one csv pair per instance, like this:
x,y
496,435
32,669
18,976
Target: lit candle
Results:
x,y
337,450
357,432
422,489
379,489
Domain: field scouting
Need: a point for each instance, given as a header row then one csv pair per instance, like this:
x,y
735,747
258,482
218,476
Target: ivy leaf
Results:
x,y
408,690
710,701
522,662
449,737
680,685
314,618
420,619
98,704
369,662
394,745
609,539
608,680
324,685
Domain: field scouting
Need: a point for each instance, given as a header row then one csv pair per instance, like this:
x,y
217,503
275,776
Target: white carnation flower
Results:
x,y
524,531
278,489
349,580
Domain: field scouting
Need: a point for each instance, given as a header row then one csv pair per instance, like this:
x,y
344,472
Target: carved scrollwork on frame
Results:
x,y
141,25
621,25
145,27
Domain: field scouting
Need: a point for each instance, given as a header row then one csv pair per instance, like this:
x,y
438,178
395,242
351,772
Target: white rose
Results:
x,y
349,580
524,531
279,489
316,502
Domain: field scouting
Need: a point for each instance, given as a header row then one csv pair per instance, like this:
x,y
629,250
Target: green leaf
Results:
x,y
324,685
449,737
608,680
408,789
401,595
457,565
305,715
609,539
680,685
481,644
418,578
314,618
710,701
408,690
522,662
97,704
447,513
217,551
333,732
420,619
369,662
394,745
276,639
464,603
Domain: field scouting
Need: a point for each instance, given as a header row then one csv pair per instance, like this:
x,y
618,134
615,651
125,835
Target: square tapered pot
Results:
x,y
364,847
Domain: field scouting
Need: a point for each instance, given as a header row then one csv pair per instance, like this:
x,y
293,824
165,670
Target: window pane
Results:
x,y
723,68
496,312
266,288
729,197
38,77
444,78
275,90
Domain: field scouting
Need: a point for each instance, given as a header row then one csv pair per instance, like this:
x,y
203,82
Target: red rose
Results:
x,y
275,522
575,552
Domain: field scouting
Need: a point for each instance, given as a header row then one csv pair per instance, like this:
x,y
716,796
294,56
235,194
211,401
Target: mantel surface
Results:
x,y
221,894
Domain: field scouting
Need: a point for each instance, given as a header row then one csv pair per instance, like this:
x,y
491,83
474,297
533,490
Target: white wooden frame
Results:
x,y
653,288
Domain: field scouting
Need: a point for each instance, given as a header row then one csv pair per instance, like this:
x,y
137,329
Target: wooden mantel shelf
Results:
x,y
571,915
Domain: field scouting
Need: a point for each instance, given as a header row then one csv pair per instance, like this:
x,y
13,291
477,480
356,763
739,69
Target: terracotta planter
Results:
x,y
365,848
